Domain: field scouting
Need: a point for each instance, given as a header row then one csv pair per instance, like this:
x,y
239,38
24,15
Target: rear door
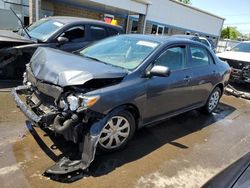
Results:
x,y
204,72
168,95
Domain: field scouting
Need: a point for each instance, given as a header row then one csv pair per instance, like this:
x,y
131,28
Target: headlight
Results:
x,y
80,100
88,101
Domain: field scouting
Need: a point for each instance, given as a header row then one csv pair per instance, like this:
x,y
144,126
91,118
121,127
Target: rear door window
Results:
x,y
199,57
97,32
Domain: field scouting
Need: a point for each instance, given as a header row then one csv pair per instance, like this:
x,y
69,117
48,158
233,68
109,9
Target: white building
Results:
x,y
162,17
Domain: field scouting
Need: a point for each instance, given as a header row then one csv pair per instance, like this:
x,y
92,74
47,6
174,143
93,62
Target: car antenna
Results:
x,y
25,30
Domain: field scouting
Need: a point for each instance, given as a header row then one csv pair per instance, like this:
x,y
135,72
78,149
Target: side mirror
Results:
x,y
159,70
228,48
62,40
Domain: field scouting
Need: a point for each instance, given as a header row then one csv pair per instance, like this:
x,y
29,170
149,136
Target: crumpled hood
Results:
x,y
65,69
9,36
239,56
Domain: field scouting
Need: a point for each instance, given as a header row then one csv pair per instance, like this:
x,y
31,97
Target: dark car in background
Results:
x,y
238,58
237,175
64,33
101,96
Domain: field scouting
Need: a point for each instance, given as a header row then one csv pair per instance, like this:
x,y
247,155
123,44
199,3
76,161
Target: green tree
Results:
x,y
230,33
185,1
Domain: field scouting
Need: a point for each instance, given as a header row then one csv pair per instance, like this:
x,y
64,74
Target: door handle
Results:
x,y
187,78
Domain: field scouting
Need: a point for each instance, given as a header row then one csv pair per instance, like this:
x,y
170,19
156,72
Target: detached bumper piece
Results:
x,y
89,144
232,91
27,112
66,166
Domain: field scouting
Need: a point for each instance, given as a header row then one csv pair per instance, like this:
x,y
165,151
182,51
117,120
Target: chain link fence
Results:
x,y
226,43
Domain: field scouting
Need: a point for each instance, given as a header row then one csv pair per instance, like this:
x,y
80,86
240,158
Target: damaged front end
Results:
x,y
241,75
64,111
58,98
240,70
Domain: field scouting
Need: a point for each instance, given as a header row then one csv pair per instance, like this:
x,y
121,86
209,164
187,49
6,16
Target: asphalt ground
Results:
x,y
184,151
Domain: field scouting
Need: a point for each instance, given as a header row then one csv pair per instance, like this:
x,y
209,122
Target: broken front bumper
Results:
x,y
88,141
27,112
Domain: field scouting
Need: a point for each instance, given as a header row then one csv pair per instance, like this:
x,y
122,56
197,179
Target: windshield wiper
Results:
x,y
93,58
24,28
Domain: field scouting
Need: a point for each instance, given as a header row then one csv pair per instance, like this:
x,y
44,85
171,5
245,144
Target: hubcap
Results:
x,y
114,133
214,99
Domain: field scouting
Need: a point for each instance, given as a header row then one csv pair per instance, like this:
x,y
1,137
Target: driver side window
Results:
x,y
173,58
74,34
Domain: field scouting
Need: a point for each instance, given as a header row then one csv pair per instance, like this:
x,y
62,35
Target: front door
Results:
x,y
167,95
77,38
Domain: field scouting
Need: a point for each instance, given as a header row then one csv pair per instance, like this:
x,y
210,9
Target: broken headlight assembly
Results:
x,y
74,101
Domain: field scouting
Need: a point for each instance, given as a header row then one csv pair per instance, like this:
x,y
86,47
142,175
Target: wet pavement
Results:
x,y
184,151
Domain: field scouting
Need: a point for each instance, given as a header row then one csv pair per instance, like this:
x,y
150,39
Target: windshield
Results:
x,y
122,51
242,47
44,28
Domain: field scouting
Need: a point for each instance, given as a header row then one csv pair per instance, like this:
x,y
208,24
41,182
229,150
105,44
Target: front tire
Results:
x,y
119,129
213,101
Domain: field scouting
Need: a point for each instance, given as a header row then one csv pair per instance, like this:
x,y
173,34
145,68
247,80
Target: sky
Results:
x,y
236,12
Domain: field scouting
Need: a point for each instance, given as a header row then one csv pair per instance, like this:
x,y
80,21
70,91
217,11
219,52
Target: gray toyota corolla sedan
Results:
x,y
101,96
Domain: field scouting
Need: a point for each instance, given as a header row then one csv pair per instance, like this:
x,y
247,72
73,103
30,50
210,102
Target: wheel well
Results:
x,y
133,110
220,85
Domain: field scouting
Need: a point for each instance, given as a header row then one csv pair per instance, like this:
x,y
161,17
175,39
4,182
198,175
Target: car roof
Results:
x,y
185,36
71,19
162,39
190,36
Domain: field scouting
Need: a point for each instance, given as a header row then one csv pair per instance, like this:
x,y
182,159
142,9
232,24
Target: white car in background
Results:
x,y
238,58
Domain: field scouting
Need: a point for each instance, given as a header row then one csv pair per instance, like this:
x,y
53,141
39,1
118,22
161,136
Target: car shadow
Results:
x,y
151,138
145,141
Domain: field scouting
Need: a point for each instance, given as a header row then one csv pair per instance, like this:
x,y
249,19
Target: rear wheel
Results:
x,y
117,132
212,101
